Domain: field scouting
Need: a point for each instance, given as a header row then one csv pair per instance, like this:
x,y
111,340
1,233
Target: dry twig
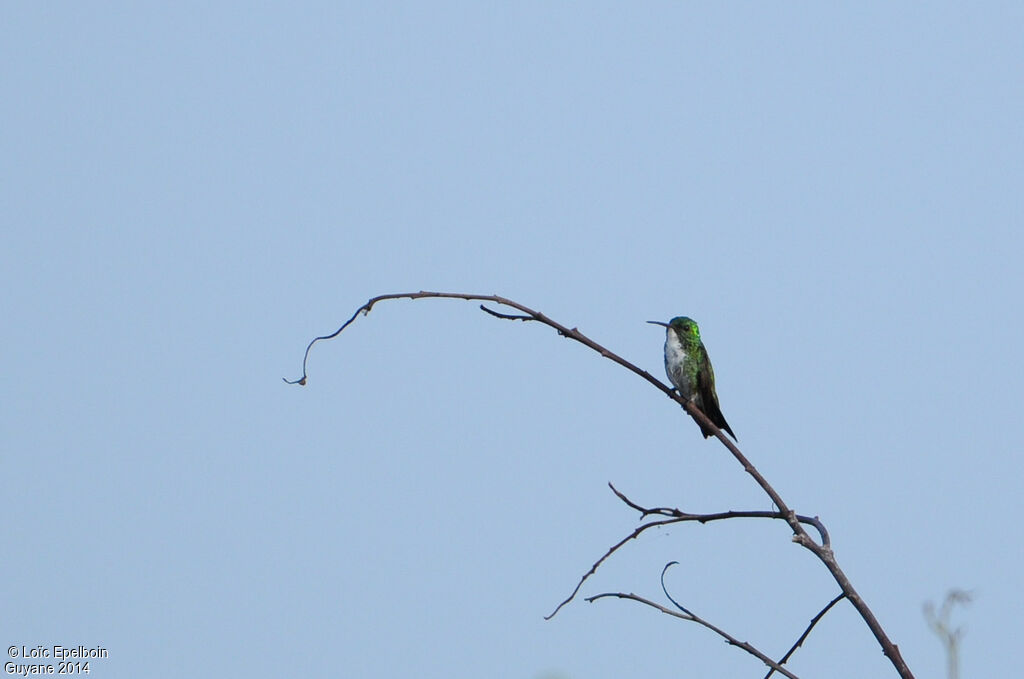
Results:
x,y
823,551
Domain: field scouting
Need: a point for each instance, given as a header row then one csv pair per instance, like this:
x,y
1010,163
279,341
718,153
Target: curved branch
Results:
x,y
775,667
593,569
732,641
800,536
705,518
678,516
529,315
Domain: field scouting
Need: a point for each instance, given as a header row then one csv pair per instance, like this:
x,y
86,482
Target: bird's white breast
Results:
x,y
675,362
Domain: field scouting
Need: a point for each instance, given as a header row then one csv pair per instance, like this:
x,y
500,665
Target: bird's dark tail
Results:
x,y
714,414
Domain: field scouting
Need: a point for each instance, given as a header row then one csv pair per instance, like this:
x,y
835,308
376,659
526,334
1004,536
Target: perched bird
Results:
x,y
689,369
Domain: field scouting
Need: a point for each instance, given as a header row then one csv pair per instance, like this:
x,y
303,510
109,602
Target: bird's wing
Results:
x,y
706,388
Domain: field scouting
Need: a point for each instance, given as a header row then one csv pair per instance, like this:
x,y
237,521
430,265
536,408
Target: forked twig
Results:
x,y
686,614
678,516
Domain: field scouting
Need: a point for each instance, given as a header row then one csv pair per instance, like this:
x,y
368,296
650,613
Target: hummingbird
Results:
x,y
689,370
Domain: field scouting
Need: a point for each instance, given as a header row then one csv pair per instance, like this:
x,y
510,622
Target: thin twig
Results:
x,y
678,516
529,314
803,637
705,518
593,569
731,640
507,317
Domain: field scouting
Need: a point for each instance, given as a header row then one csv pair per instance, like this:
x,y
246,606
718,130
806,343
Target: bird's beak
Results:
x,y
659,323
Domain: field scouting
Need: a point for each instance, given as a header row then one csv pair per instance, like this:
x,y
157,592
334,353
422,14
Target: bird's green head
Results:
x,y
685,327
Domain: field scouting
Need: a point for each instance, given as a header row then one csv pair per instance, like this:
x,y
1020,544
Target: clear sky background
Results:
x,y
189,193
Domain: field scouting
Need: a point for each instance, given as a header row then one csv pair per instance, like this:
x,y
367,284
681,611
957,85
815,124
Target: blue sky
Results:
x,y
190,193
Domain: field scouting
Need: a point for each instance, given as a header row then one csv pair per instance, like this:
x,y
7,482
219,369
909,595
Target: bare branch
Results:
x,y
528,314
365,309
803,637
718,516
593,569
731,640
822,551
677,516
